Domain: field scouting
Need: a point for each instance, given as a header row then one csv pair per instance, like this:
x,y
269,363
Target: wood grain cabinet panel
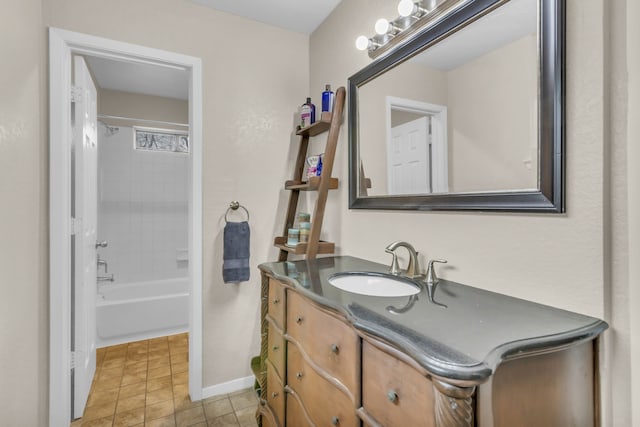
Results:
x,y
267,418
276,306
321,373
275,394
325,405
394,393
296,416
276,350
331,343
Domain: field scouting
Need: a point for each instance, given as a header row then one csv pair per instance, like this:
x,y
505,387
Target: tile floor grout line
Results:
x,y
129,353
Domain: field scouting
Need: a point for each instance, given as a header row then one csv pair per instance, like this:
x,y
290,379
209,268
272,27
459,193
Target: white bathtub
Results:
x,y
137,311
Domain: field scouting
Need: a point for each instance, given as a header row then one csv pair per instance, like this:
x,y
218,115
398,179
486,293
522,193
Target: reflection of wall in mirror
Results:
x,y
493,120
410,81
401,117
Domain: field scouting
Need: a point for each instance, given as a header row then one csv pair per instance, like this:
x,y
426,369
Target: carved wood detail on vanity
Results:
x,y
453,405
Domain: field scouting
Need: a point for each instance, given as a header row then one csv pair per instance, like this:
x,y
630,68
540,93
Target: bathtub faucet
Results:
x,y
105,278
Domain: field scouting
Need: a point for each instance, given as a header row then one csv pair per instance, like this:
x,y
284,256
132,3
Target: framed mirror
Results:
x,y
466,114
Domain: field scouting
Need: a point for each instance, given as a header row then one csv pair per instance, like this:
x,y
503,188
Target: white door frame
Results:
x,y
439,150
62,44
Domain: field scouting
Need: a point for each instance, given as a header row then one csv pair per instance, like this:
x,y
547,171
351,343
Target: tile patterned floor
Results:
x,y
145,383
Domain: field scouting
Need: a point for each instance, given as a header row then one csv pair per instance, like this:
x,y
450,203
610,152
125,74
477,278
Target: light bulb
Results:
x,y
382,26
406,7
362,43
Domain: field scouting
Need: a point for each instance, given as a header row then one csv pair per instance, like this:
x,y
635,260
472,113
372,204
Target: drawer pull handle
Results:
x,y
299,319
392,396
335,421
275,394
299,375
275,348
276,300
335,349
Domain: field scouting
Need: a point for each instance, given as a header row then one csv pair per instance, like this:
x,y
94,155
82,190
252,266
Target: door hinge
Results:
x,y
75,226
76,94
72,360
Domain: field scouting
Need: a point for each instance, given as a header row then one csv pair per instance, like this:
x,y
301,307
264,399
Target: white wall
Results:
x,y
553,259
142,209
23,231
254,78
139,106
560,260
492,120
633,193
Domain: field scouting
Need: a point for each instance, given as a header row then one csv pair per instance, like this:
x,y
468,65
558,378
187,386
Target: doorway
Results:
x,y
417,149
63,45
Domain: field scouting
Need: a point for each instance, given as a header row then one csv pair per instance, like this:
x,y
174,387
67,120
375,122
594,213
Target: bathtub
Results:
x,y
137,311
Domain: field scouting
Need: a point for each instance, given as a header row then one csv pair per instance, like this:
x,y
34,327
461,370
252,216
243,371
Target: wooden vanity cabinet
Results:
x,y
273,411
317,354
327,342
323,402
321,371
394,393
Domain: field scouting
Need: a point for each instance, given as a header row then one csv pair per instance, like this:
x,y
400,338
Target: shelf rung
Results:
x,y
301,248
318,127
311,185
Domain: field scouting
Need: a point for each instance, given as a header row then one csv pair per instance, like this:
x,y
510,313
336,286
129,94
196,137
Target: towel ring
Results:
x,y
234,206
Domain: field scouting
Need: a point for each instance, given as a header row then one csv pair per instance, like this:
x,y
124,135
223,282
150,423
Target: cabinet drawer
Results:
x,y
275,394
276,302
393,392
276,350
331,343
295,414
325,405
266,416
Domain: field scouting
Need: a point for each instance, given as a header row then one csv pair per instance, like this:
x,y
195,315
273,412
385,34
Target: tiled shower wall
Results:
x,y
142,209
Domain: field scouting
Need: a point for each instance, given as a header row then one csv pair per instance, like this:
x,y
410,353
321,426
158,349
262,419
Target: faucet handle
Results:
x,y
395,267
432,278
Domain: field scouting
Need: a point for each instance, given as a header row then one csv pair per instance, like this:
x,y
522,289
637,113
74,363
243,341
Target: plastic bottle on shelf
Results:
x,y
327,99
307,114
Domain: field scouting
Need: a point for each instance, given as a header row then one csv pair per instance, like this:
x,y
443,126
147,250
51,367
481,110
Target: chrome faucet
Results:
x,y
432,278
412,268
103,263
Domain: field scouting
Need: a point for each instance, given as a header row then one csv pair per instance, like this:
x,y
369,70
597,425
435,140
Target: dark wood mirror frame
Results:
x,y
550,194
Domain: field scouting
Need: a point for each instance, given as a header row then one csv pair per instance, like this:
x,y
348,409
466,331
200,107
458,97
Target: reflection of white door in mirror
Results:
x,y
416,147
409,165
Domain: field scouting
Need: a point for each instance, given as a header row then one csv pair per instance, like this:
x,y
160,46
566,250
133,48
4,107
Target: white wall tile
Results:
x,y
142,210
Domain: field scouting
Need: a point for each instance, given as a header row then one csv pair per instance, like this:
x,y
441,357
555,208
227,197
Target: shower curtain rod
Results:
x,y
106,116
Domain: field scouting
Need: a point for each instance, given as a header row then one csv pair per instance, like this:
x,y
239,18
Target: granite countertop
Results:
x,y
466,340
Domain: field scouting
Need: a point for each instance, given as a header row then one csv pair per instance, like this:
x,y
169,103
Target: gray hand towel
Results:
x,y
235,267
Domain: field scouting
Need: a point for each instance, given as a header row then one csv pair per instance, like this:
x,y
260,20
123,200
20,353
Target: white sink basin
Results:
x,y
374,284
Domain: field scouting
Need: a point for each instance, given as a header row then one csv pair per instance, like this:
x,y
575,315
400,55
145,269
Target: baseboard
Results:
x,y
228,387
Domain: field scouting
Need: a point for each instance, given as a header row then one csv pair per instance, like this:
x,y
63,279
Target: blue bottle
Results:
x,y
327,99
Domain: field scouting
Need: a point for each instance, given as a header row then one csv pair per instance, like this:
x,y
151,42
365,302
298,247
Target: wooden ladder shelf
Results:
x,y
330,122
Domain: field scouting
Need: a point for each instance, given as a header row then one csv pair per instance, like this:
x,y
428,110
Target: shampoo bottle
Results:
x,y
305,115
327,99
313,110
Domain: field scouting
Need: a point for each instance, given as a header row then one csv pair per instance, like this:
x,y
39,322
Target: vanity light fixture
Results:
x,y
365,43
411,8
414,15
383,27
